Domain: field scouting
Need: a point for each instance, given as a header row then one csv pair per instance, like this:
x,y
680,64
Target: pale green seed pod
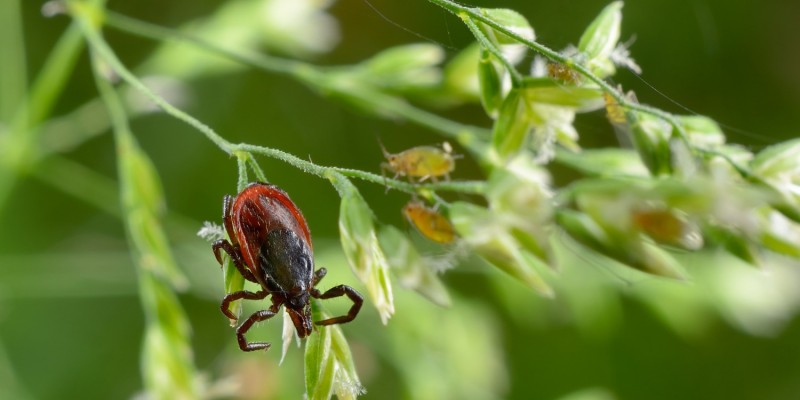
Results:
x,y
512,127
778,168
410,267
491,84
329,366
360,245
492,241
600,38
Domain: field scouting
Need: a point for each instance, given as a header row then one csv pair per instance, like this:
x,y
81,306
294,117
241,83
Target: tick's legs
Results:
x,y
338,291
258,316
228,299
227,207
226,246
318,276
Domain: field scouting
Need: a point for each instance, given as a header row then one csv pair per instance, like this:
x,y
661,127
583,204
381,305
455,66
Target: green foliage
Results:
x,y
167,366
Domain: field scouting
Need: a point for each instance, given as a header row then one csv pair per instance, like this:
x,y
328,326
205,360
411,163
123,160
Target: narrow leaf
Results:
x,y
490,83
512,127
602,35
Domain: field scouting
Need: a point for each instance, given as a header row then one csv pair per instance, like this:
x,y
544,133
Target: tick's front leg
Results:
x,y
338,291
318,275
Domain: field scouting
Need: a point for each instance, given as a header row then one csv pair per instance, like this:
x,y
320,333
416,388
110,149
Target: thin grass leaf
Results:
x,y
167,365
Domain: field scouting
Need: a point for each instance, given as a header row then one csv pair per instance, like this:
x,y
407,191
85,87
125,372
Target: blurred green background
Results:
x,y
71,323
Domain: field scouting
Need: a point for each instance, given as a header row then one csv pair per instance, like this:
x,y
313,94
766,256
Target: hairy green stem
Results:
x,y
469,187
243,179
102,49
471,137
160,33
259,173
516,77
99,45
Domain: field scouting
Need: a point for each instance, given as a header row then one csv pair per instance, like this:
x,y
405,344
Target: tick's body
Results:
x,y
271,245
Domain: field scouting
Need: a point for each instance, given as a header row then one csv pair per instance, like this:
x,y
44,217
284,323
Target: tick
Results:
x,y
271,246
421,162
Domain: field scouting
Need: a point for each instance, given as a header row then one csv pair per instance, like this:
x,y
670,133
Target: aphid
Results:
x,y
429,222
660,224
271,245
421,162
563,73
668,226
614,111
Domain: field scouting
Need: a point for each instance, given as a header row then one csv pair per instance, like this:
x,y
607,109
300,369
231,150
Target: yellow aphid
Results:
x,y
615,112
429,223
660,224
421,162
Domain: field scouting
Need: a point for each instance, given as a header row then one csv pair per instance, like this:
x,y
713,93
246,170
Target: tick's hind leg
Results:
x,y
338,291
258,316
226,246
225,306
